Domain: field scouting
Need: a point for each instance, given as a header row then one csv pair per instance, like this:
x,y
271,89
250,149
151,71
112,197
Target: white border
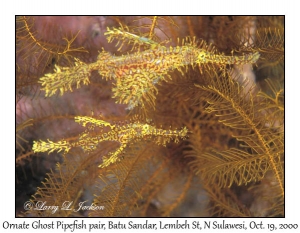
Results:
x,y
7,41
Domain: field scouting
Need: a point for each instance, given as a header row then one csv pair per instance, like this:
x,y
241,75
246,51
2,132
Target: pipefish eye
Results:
x,y
201,56
145,128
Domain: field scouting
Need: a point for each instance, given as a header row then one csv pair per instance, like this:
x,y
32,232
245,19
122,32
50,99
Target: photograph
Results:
x,y
150,116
